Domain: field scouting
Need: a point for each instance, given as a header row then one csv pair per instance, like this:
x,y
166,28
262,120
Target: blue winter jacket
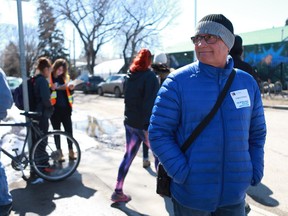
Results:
x,y
6,100
228,155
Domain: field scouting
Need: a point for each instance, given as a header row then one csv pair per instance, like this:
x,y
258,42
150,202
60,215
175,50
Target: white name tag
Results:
x,y
241,98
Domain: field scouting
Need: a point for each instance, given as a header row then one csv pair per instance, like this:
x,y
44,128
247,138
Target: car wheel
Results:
x,y
117,92
100,91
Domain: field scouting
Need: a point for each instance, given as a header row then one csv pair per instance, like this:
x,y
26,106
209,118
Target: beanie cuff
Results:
x,y
214,28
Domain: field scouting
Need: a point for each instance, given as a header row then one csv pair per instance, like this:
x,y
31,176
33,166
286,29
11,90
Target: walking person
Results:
x,y
6,101
141,88
160,67
146,161
214,173
61,99
236,53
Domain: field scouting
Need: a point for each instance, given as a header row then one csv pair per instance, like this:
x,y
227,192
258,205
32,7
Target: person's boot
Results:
x,y
146,163
61,156
72,155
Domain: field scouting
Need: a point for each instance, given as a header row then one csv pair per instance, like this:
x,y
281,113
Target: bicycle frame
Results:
x,y
17,159
28,126
43,156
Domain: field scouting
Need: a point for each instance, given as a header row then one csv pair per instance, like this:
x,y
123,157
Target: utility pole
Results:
x,y
23,63
195,24
22,56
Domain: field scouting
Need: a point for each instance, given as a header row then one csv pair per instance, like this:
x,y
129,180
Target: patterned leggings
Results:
x,y
134,137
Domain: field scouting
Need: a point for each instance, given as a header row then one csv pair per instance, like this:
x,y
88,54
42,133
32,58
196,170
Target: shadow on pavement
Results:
x,y
130,212
39,198
261,194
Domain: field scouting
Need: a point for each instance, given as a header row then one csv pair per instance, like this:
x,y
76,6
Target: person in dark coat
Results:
x,y
44,107
236,53
141,88
42,93
160,67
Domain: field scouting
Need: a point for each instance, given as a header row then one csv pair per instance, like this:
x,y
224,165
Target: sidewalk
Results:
x,y
88,191
276,102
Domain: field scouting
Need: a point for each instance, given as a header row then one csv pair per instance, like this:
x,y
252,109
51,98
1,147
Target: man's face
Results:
x,y
214,54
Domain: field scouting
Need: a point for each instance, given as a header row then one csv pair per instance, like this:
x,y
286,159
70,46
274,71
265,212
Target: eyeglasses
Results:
x,y
209,39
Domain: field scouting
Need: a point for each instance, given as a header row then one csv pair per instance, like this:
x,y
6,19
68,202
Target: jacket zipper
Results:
x,y
223,139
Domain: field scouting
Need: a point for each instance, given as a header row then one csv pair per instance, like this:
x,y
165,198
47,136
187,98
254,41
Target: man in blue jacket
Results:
x,y
6,102
212,176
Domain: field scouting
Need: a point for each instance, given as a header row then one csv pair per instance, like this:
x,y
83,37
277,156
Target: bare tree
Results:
x,y
94,20
10,55
143,23
11,60
8,33
31,51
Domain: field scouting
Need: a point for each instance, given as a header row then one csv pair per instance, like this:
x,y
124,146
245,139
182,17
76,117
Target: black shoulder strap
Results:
x,y
211,114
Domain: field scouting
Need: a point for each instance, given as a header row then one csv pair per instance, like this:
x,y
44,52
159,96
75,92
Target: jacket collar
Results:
x,y
214,72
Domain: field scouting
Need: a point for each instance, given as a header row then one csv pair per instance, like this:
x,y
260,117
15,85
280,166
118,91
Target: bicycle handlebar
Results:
x,y
31,115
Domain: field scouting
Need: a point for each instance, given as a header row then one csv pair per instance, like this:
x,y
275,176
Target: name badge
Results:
x,y
241,98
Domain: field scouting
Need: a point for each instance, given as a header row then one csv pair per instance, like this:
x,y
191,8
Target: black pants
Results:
x,y
145,151
41,156
62,115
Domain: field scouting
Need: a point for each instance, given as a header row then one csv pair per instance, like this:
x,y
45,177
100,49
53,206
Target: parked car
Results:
x,y
113,84
13,82
89,84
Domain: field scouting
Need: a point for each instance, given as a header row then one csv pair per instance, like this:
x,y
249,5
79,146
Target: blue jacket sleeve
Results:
x,y
6,99
257,138
164,122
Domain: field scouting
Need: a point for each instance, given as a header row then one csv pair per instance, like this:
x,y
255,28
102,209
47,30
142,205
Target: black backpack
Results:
x,y
18,95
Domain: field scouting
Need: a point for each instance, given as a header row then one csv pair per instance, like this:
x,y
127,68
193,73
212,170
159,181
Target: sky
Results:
x,y
246,15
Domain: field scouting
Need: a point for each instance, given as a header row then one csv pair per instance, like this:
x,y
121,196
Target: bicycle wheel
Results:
x,y
51,163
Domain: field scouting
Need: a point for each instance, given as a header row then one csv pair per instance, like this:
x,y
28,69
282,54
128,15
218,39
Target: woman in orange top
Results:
x,y
61,99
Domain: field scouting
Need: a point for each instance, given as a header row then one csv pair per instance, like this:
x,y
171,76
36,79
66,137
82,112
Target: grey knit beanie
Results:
x,y
217,24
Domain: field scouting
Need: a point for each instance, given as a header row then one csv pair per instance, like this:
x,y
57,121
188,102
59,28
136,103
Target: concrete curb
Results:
x,y
282,107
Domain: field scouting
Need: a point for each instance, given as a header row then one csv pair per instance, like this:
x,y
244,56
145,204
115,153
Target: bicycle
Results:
x,y
44,156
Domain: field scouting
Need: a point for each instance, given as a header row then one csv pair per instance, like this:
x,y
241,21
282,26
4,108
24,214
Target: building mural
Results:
x,y
270,61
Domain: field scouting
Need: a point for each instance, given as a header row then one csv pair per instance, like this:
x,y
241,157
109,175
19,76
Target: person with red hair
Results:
x,y
141,87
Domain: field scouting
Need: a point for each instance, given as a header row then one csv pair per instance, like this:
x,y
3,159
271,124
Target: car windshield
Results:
x,y
113,78
13,82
